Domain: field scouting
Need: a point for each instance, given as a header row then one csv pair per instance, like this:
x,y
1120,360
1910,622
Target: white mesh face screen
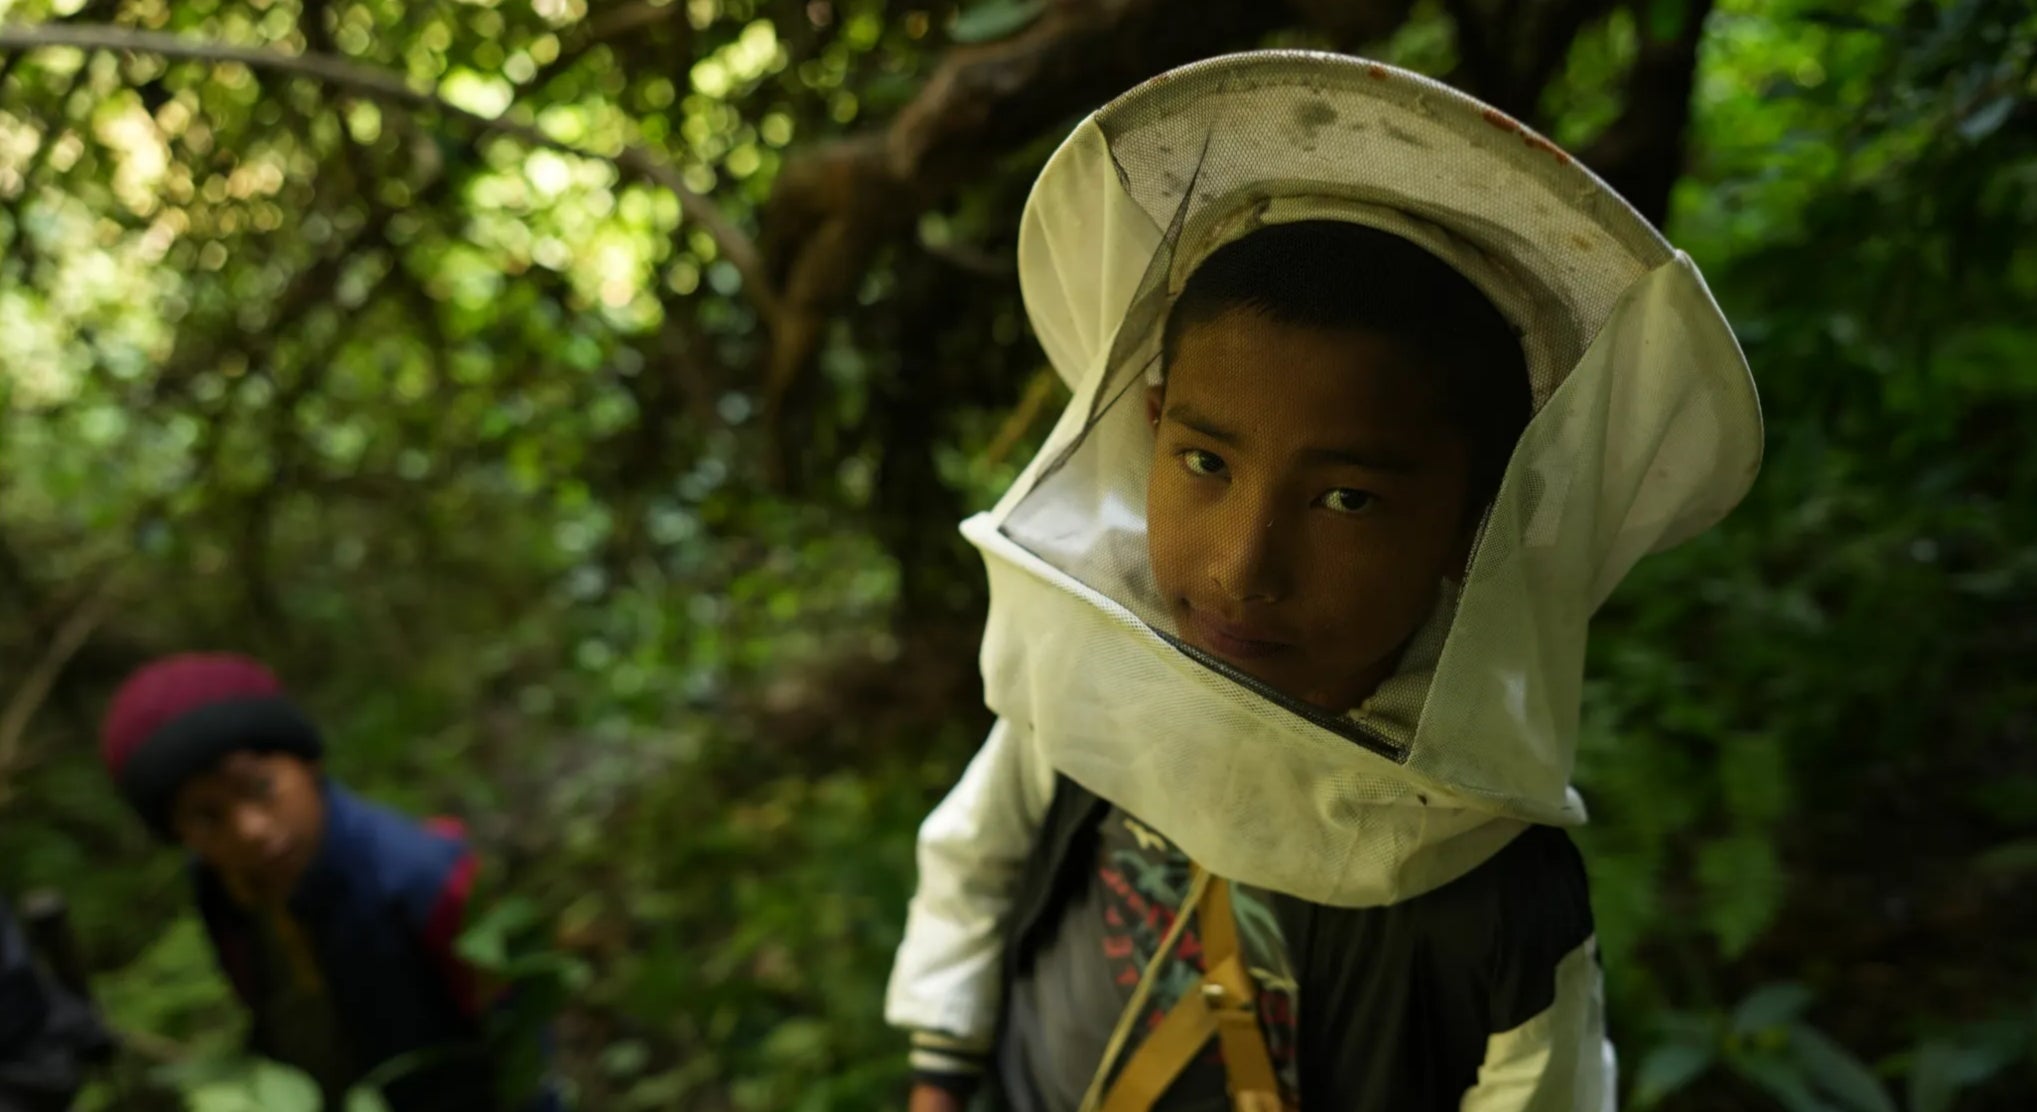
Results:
x,y
1281,657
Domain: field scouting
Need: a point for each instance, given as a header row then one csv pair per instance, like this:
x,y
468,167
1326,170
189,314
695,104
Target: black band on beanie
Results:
x,y
196,740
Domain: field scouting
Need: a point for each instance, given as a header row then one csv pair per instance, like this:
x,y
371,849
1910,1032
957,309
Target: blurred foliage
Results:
x,y
1765,1042
466,436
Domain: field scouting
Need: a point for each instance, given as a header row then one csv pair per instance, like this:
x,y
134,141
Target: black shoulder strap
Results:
x,y
1058,864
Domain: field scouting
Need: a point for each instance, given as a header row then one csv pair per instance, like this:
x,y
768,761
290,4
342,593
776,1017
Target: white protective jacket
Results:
x,y
1646,432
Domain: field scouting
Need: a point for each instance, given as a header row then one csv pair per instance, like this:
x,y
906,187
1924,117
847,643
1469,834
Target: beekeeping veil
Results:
x,y
1646,432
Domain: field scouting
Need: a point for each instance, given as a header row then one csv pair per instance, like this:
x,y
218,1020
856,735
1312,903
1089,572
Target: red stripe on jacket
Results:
x,y
449,915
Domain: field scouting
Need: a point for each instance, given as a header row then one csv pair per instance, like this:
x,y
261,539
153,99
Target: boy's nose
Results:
x,y
1248,562
253,827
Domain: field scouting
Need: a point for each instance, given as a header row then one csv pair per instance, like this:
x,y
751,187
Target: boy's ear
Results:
x,y
1154,396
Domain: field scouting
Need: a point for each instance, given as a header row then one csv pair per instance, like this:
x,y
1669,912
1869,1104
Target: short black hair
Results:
x,y
1335,275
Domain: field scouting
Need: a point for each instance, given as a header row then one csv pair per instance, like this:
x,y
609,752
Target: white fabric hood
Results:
x,y
1646,432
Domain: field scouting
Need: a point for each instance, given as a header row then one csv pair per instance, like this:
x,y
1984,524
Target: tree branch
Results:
x,y
1350,25
314,284
1507,57
311,24
1477,62
35,687
1045,387
634,162
1641,154
972,260
836,205
93,11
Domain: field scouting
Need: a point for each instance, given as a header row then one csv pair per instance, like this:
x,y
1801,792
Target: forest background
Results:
x,y
575,399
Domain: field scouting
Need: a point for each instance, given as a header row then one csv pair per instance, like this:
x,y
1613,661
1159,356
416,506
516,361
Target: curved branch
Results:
x,y
35,687
1641,153
1044,388
836,205
633,161
94,10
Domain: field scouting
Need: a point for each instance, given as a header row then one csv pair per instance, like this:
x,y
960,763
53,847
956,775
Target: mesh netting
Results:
x,y
1645,431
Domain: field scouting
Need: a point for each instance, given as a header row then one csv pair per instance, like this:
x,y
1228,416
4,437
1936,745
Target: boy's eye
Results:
x,y
1345,500
1200,462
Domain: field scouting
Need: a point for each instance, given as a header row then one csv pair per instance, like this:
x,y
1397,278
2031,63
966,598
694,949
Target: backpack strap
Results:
x,y
1221,1002
1228,992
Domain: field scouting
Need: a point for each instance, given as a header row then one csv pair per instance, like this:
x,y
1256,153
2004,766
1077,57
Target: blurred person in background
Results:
x,y
334,918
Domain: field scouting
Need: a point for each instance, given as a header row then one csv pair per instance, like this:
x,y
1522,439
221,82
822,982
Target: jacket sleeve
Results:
x,y
1546,1050
1559,1059
447,915
946,980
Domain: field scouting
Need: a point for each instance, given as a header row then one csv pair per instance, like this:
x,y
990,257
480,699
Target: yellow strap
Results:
x,y
1248,1068
1165,1053
291,937
288,933
1221,1002
1198,882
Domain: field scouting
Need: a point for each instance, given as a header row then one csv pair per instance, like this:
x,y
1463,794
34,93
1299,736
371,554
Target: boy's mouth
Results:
x,y
1230,639
275,863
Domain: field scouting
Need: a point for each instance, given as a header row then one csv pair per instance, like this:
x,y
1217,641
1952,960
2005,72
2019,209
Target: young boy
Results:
x,y
334,919
1376,397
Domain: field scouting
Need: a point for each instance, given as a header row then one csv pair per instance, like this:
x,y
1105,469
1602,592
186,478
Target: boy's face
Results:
x,y
256,818
1307,500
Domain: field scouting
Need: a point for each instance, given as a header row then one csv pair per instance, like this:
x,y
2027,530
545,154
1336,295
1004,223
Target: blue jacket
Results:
x,y
381,906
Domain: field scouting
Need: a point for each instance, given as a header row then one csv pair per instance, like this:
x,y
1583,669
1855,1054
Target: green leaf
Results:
x,y
2009,859
1770,1007
1987,119
366,1100
1933,1080
2010,800
1782,1079
263,1087
626,1058
1838,1072
1843,20
797,1041
995,19
1754,774
410,1062
1665,19
1943,1068
1668,1068
1743,886
488,942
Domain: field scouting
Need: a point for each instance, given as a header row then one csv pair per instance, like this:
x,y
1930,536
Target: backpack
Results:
x,y
49,1030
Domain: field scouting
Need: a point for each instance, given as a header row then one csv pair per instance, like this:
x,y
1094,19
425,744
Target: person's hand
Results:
x,y
932,1098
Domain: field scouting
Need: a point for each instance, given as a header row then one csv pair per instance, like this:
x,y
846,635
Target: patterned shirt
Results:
x,y
1064,1009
